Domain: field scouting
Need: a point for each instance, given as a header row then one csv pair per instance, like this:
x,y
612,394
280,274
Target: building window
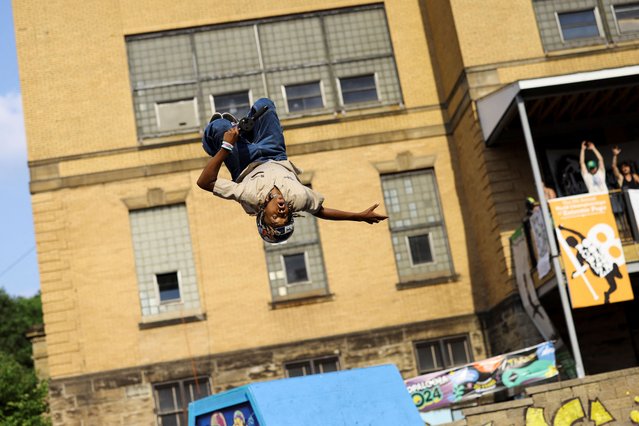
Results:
x,y
578,25
296,266
177,115
237,103
571,24
434,355
417,227
626,17
168,287
420,250
358,89
164,260
315,366
172,399
304,54
302,97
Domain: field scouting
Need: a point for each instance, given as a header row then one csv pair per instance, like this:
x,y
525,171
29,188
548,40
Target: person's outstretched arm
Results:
x,y
600,159
582,158
207,178
615,169
369,215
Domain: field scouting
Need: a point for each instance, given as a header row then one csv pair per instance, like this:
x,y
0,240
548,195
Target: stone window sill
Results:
x,y
148,324
299,301
427,282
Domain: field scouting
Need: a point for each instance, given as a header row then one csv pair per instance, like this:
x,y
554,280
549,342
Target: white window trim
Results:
x,y
322,94
595,10
410,253
195,110
157,288
212,101
614,17
308,271
380,98
340,95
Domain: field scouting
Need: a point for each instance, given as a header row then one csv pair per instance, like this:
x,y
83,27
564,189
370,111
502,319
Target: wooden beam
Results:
x,y
549,109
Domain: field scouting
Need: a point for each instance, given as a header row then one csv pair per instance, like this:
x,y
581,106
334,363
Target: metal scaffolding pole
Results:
x,y
565,303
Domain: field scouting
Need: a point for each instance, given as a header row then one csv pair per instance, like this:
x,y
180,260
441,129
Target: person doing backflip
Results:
x,y
263,181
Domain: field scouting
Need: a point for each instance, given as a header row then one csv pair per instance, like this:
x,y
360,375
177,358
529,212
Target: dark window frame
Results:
x,y
445,352
350,77
308,279
216,108
430,248
159,290
314,365
320,87
182,386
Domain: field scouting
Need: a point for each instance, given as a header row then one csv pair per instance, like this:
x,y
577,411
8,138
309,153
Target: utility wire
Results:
x,y
18,260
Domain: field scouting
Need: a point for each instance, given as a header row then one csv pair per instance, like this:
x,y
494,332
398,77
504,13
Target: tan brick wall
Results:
x,y
75,82
487,255
80,124
78,112
74,77
440,25
98,268
496,31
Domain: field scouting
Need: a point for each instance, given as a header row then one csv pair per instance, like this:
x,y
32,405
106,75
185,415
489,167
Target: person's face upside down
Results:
x,y
276,211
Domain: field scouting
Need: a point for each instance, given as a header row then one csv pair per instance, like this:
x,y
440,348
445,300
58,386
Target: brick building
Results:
x,y
155,293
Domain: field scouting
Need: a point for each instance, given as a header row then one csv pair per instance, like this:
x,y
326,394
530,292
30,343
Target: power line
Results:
x,y
18,260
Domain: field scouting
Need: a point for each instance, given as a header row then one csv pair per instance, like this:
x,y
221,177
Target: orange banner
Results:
x,y
591,250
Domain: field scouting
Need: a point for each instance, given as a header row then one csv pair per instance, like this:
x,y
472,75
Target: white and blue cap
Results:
x,y
272,234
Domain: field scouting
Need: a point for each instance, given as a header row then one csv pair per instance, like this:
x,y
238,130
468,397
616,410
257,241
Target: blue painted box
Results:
x,y
366,396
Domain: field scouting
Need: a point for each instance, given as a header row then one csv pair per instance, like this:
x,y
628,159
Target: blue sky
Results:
x,y
18,260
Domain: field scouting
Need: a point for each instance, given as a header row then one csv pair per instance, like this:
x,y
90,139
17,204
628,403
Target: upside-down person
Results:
x,y
263,181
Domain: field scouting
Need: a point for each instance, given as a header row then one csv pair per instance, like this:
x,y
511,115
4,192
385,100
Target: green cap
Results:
x,y
591,164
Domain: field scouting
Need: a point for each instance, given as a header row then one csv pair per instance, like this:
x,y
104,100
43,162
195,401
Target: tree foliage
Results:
x,y
22,394
17,316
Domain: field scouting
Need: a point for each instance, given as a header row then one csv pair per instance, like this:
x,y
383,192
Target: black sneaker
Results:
x,y
230,117
215,116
